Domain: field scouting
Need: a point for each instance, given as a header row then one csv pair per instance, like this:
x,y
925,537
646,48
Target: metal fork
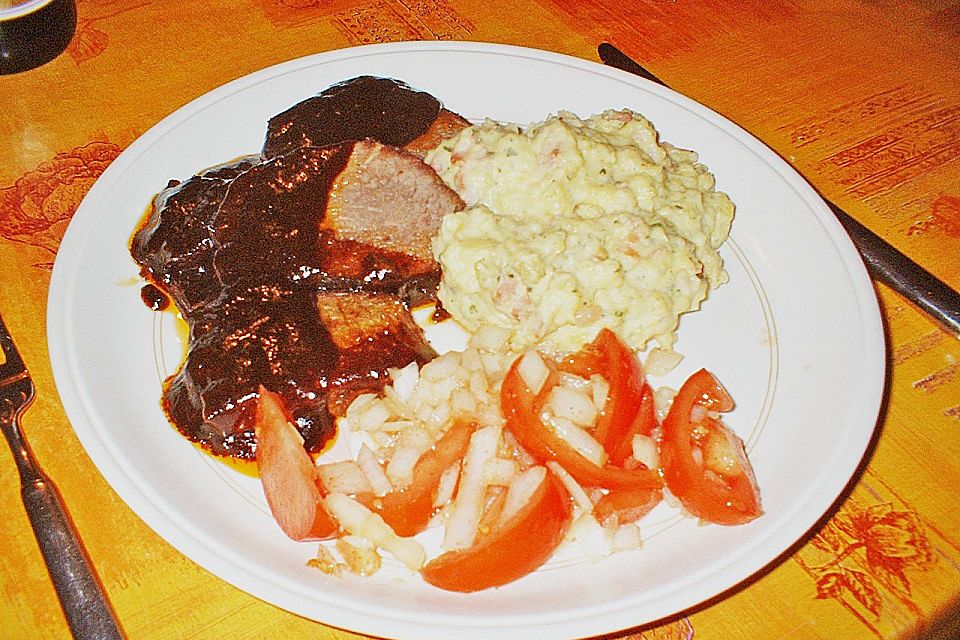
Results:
x,y
84,603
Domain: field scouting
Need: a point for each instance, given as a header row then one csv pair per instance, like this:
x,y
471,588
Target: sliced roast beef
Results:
x,y
352,319
370,202
296,269
272,337
309,260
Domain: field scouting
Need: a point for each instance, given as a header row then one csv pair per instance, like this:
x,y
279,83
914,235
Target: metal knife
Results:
x,y
884,262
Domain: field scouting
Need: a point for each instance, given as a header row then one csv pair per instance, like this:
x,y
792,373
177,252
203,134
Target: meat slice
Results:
x,y
370,200
447,125
318,352
352,318
383,109
309,262
254,336
175,245
356,216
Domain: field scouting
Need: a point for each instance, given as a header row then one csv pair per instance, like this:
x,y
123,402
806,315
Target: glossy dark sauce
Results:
x,y
383,109
154,298
243,249
439,313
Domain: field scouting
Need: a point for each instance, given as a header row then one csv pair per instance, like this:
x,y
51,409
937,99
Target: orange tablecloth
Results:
x,y
861,96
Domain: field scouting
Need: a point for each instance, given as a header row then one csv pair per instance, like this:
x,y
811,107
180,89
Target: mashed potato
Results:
x,y
572,225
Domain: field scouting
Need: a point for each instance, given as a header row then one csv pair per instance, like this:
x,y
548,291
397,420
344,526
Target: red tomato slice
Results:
x,y
409,511
703,461
522,411
288,474
622,507
629,408
643,423
518,547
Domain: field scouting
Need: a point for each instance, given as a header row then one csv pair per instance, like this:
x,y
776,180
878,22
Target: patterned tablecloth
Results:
x,y
861,96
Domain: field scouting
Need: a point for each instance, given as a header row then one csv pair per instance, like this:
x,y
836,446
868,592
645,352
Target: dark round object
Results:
x,y
35,32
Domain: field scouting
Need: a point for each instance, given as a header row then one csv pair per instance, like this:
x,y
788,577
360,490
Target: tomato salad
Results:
x,y
560,445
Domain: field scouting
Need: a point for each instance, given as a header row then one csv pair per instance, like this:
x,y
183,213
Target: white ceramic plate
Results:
x,y
795,335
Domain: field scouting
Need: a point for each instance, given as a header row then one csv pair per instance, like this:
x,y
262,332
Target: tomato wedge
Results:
x,y
409,511
643,423
522,409
520,546
622,507
288,474
703,461
629,409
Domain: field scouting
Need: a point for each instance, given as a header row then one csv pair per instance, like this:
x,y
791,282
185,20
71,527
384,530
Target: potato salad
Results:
x,y
573,225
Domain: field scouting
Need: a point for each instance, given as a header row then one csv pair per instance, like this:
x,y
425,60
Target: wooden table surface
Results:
x,y
862,97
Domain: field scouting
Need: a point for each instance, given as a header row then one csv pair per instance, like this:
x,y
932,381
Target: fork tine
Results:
x,y
13,363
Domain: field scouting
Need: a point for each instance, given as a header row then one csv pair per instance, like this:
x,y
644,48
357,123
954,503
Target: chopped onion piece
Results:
x,y
521,489
372,417
493,499
575,406
645,451
405,379
478,384
593,540
401,464
662,399
500,471
371,468
585,444
344,476
359,404
445,367
360,556
397,405
626,537
521,454
463,401
697,413
533,370
661,361
469,361
600,390
412,443
437,418
447,485
697,456
326,562
492,363
580,497
397,426
491,416
467,507
360,521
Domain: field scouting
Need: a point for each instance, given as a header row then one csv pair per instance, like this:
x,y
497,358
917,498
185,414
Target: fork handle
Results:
x,y
84,603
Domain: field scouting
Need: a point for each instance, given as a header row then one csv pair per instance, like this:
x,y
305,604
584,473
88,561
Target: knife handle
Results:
x,y
886,264
82,598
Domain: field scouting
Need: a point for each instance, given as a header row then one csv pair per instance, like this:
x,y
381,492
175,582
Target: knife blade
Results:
x,y
884,262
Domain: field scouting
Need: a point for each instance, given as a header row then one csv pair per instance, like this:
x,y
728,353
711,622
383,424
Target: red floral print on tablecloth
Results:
x,y
36,208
